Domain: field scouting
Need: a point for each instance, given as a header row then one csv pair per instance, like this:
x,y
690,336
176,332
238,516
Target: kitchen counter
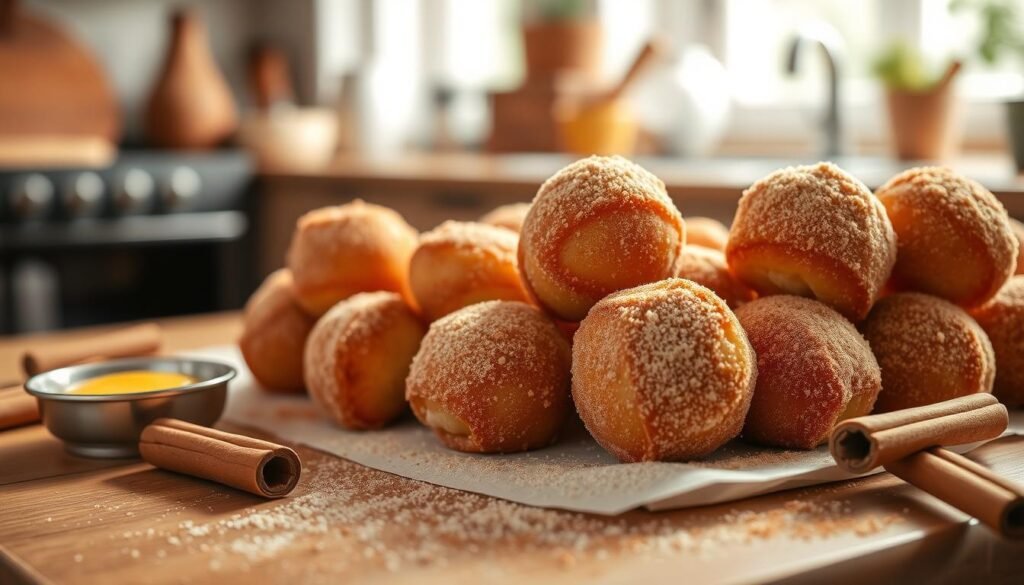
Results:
x,y
70,520
430,188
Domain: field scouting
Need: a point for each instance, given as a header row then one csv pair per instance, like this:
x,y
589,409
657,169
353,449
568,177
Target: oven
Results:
x,y
154,234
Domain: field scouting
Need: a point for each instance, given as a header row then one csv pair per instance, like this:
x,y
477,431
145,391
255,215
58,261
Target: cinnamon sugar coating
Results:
x,y
813,231
1002,318
599,225
338,251
929,349
461,263
707,267
955,238
274,332
510,216
662,372
814,370
492,377
357,358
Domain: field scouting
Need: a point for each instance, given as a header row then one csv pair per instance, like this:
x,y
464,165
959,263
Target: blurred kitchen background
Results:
x,y
155,154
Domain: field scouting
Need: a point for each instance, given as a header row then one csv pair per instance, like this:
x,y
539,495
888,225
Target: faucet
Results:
x,y
832,47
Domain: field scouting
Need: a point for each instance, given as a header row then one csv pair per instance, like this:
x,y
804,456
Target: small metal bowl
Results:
x,y
108,425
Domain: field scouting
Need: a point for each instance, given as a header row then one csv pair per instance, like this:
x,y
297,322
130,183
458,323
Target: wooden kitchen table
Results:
x,y
70,520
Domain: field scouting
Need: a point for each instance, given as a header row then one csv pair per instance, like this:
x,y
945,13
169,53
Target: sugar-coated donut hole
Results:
x,y
813,231
342,250
492,377
599,225
929,350
662,372
955,238
358,356
814,370
508,216
462,263
1002,319
706,232
707,267
274,332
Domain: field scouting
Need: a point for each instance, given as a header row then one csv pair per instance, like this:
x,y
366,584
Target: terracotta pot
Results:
x,y
191,106
925,125
556,47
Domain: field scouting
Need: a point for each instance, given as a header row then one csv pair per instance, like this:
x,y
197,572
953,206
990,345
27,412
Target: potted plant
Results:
x,y
561,36
922,105
1001,35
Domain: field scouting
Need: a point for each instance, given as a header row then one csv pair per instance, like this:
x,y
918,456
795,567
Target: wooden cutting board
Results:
x,y
50,84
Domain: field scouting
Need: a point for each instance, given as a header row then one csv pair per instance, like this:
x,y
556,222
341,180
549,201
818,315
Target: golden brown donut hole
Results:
x,y
707,267
462,263
662,372
357,358
813,370
929,349
509,216
1002,318
599,225
492,378
339,251
955,239
706,233
813,231
274,332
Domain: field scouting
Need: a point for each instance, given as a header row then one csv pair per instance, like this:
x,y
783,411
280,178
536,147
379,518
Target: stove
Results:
x,y
154,234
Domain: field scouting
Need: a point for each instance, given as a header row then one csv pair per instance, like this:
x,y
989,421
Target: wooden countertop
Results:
x,y
521,174
70,520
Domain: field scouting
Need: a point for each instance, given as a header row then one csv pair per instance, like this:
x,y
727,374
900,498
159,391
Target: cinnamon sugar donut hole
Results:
x,y
662,372
599,225
274,332
707,267
509,216
492,378
813,370
461,263
930,350
357,358
342,250
1002,318
706,232
1018,232
813,231
955,239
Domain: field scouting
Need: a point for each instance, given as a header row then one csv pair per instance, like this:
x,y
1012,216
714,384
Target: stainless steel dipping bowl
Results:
x,y
108,425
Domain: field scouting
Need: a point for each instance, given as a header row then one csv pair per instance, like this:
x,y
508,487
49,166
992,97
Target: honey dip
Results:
x,y
131,382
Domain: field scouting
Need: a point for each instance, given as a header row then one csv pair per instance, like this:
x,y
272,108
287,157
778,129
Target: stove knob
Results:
x,y
31,197
135,192
84,195
183,187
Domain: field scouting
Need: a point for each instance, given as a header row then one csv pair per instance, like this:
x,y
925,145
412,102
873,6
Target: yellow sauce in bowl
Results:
x,y
131,382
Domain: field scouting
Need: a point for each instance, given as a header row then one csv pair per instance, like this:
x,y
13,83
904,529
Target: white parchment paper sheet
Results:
x,y
574,474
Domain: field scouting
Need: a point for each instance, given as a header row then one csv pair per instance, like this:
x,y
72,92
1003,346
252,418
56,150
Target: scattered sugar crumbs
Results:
x,y
367,518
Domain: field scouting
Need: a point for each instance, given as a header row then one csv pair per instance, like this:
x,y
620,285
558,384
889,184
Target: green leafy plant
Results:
x,y
1000,27
901,67
562,10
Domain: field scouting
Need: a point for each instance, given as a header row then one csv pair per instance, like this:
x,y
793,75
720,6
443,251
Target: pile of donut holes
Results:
x,y
668,337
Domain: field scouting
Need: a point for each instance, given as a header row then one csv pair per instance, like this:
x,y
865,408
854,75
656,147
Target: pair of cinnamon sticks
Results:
x,y
909,444
252,465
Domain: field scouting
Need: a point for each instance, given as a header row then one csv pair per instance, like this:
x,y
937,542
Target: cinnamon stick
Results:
x,y
17,407
131,341
969,487
252,465
861,444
